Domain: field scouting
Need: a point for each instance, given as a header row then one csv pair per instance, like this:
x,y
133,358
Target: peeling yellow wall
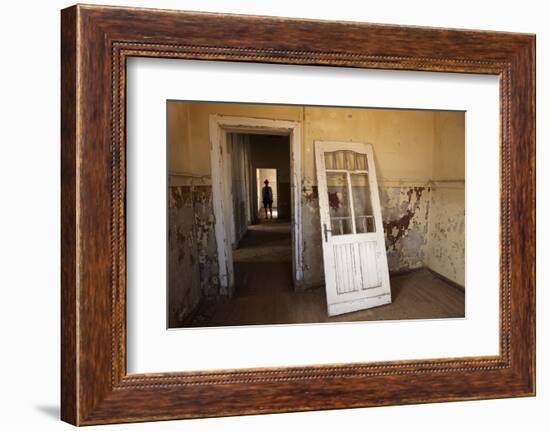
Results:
x,y
402,140
449,149
445,253
193,134
180,152
446,235
416,154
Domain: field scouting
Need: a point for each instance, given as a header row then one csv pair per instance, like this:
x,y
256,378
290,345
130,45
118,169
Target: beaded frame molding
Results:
x,y
95,43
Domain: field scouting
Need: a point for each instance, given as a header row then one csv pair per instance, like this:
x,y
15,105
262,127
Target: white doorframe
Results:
x,y
219,126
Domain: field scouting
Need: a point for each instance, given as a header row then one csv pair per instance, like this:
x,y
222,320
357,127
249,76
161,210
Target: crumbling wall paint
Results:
x,y
192,258
446,240
405,209
183,271
423,226
206,242
312,252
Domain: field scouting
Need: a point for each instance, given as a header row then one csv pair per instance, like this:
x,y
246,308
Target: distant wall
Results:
x,y
419,157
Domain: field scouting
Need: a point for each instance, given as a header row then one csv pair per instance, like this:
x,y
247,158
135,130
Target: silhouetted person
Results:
x,y
267,199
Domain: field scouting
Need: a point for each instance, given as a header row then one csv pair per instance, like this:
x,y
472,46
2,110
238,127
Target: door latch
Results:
x,y
326,231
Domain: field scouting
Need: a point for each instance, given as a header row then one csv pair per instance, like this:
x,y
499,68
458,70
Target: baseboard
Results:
x,y
447,280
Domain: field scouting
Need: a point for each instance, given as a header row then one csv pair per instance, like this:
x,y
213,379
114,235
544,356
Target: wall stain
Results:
x,y
206,242
417,191
446,238
310,196
405,212
334,200
193,272
312,253
397,228
183,275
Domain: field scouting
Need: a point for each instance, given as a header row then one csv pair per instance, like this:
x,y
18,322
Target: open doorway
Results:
x,y
262,255
259,166
238,148
262,258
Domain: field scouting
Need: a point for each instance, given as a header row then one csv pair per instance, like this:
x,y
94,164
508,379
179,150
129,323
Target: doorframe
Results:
x,y
219,127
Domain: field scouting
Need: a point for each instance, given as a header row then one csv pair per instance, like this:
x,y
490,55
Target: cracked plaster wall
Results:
x,y
446,236
192,257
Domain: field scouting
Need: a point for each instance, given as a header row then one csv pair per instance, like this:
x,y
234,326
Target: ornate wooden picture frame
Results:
x,y
96,41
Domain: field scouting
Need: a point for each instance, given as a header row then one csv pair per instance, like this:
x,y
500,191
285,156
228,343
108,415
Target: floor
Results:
x,y
264,292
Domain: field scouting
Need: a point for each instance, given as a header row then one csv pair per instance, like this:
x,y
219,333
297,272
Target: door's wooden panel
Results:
x,y
357,266
370,267
346,280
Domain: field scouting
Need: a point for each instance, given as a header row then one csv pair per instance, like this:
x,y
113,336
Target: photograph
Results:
x,y
299,214
275,215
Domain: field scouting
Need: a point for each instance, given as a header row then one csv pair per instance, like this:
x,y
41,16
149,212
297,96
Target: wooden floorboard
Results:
x,y
264,292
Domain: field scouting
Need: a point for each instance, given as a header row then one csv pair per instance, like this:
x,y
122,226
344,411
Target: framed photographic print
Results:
x,y
264,214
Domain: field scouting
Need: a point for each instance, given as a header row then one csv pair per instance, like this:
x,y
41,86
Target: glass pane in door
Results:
x,y
339,204
362,204
346,159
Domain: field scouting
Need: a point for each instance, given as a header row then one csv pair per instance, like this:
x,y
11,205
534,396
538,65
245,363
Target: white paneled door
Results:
x,y
354,252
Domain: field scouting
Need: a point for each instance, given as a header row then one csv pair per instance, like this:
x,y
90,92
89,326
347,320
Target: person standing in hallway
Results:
x,y
267,199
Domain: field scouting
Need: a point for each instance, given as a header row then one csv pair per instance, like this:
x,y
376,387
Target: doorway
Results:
x,y
262,259
262,255
230,177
